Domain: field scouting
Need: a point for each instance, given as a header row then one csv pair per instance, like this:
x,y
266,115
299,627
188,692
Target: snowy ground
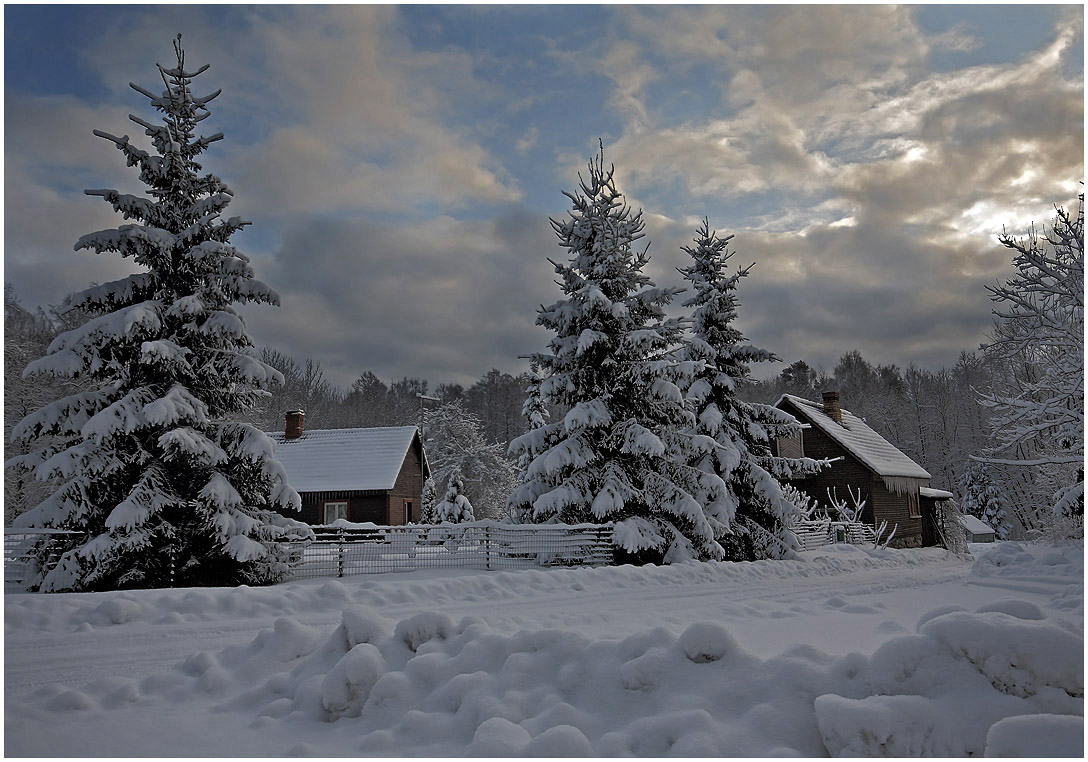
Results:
x,y
850,651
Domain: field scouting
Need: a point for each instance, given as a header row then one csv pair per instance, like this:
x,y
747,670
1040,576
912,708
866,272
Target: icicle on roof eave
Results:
x,y
904,485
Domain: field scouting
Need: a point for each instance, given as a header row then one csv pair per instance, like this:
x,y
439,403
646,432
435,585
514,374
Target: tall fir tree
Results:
x,y
621,451
158,480
754,505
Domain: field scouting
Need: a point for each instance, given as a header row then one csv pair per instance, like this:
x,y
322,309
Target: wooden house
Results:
x,y
371,475
895,488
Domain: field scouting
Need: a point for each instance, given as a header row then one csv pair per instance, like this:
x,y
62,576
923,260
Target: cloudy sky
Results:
x,y
400,164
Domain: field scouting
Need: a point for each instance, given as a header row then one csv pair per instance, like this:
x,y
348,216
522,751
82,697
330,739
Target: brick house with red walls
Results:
x,y
895,488
373,475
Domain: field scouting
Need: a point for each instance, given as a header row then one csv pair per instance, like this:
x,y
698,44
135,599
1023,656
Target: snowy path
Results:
x,y
68,657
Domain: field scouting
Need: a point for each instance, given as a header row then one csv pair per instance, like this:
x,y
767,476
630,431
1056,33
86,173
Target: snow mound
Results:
x,y
705,641
347,686
1014,607
422,628
426,685
940,691
564,664
880,726
1036,735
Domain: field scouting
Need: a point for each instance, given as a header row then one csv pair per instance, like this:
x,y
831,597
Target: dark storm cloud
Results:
x,y
867,186
897,298
51,156
444,300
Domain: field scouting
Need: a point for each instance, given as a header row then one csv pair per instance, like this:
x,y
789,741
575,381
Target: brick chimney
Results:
x,y
831,406
293,429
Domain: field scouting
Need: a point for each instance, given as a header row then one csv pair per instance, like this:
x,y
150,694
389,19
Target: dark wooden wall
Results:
x,y
409,486
362,506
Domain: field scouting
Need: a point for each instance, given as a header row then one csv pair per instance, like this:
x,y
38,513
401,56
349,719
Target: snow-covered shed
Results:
x,y
890,482
976,529
371,474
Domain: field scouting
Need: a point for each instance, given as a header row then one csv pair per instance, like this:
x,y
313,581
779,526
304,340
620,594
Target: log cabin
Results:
x,y
895,488
361,475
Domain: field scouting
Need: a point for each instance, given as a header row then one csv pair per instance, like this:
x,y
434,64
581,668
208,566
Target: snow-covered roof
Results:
x,y
975,525
876,452
936,494
333,460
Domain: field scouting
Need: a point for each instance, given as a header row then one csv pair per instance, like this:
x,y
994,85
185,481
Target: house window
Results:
x,y
336,510
913,508
407,511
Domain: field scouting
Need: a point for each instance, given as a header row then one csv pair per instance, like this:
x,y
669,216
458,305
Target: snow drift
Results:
x,y
430,686
1006,678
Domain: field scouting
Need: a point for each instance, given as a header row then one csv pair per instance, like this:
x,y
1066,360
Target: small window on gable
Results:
x,y
336,510
791,447
914,510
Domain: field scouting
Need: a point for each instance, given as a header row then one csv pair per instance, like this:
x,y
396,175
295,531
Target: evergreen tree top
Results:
x,y
184,201
599,233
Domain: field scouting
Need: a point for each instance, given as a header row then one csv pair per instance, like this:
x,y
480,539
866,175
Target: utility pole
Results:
x,y
422,476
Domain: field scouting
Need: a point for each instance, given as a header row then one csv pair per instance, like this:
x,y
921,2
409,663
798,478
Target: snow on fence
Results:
x,y
344,551
18,543
815,534
369,549
812,534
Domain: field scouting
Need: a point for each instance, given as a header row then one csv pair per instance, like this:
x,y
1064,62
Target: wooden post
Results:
x,y
340,552
487,546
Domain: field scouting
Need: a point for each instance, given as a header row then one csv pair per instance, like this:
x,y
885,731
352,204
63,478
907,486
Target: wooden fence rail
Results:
x,y
339,551
816,534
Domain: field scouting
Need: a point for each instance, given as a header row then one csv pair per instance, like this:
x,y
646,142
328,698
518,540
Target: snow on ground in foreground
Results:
x,y
848,652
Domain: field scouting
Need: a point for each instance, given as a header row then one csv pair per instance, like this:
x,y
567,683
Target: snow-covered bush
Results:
x,y
161,483
807,507
455,507
980,497
622,452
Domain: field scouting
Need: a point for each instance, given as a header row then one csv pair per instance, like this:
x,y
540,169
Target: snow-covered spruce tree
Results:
x,y
622,451
455,507
154,472
744,432
428,500
980,497
1038,418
